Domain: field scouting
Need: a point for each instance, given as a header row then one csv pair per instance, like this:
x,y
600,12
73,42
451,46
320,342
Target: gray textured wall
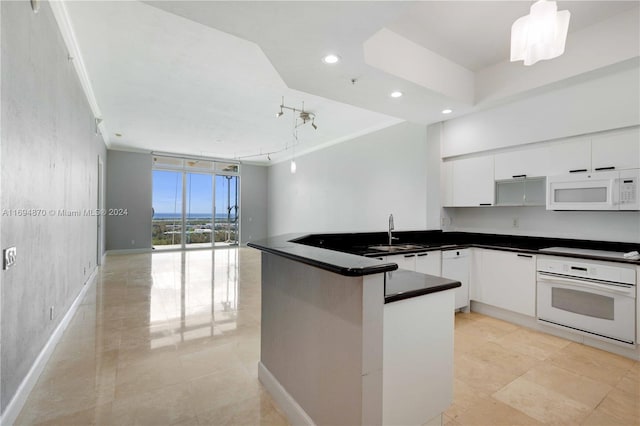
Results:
x,y
49,158
129,187
253,203
1,26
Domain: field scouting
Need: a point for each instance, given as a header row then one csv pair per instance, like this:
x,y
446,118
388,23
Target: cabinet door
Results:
x,y
476,274
473,183
619,150
429,263
508,281
404,261
569,155
525,162
446,183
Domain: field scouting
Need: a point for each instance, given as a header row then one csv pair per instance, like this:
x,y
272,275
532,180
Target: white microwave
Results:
x,y
610,190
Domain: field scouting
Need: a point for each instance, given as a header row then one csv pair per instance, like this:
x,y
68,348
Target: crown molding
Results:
x,y
61,15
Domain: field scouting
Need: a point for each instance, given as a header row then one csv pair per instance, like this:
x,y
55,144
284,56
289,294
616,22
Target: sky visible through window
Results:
x,y
167,194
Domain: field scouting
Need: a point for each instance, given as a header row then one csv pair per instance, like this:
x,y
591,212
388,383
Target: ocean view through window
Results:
x,y
194,209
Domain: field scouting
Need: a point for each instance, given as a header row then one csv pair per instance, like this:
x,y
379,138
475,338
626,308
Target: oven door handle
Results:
x,y
627,290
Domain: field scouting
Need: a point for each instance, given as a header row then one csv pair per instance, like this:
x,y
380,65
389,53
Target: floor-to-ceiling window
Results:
x,y
226,212
195,203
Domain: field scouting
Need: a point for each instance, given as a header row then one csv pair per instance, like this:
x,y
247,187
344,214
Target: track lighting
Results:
x,y
303,115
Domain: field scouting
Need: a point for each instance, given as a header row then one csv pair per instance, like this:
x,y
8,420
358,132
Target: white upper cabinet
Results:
x,y
526,162
472,182
567,156
446,183
616,151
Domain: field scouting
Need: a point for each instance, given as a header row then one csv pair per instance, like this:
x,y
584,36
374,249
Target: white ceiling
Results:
x,y
475,34
207,77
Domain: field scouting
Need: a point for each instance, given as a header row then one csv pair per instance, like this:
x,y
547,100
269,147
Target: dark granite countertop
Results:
x,y
399,284
403,284
361,244
340,262
352,255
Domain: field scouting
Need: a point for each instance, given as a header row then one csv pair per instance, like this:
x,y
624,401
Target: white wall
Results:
x,y
253,203
537,221
595,103
354,186
434,135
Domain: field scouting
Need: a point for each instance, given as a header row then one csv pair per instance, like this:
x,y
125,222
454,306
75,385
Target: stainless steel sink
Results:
x,y
396,247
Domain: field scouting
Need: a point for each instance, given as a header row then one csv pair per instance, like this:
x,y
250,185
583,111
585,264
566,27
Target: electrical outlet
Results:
x,y
9,256
516,222
133,242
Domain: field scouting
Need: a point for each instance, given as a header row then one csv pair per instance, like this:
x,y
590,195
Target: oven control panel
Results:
x,y
573,267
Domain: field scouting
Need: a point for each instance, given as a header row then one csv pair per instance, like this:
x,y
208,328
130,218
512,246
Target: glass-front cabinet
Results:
x,y
521,192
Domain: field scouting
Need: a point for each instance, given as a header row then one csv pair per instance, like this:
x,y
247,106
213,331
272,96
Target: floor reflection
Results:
x,y
195,294
162,338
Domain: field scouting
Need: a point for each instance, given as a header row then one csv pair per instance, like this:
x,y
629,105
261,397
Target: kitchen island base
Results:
x,y
325,357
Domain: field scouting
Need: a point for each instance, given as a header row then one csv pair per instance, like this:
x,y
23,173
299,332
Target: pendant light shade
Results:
x,y
541,34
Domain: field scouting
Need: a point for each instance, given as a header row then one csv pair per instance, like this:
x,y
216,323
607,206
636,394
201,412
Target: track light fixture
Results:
x,y
304,116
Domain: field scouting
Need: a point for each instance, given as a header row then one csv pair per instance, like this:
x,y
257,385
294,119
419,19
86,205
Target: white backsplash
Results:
x,y
537,221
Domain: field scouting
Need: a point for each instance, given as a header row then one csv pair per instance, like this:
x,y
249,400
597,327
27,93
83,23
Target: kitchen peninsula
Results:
x,y
347,339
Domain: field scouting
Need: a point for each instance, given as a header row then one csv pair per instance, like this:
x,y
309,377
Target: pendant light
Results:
x,y
541,34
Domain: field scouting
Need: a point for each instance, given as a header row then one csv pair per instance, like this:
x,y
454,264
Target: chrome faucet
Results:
x,y
391,228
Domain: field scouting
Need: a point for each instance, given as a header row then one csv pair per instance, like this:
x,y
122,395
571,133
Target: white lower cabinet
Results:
x,y
505,280
404,261
429,262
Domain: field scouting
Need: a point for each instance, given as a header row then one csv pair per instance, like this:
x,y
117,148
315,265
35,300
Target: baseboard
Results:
x,y
128,251
294,412
17,402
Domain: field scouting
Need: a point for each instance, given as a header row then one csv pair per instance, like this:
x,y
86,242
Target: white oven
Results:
x,y
593,298
606,190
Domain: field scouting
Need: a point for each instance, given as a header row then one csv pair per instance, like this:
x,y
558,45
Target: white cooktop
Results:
x,y
599,253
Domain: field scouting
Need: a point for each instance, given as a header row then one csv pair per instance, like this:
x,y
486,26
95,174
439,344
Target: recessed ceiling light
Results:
x,y
447,111
331,59
396,94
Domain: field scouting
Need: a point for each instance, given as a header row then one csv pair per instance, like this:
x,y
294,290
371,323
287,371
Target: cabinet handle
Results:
x,y
422,254
577,171
485,204
409,255
578,268
597,169
519,176
525,255
380,258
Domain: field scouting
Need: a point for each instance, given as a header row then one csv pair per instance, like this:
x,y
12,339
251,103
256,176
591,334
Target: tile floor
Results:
x,y
173,338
